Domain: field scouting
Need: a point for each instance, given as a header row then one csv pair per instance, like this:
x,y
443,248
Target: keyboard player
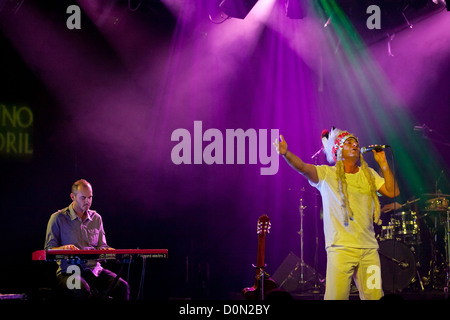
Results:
x,y
78,227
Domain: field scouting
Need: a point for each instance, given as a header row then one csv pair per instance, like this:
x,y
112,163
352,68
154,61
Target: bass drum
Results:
x,y
398,265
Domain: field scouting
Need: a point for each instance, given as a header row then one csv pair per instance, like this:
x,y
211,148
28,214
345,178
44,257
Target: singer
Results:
x,y
350,207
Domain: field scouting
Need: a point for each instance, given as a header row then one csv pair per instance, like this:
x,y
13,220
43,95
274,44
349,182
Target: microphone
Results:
x,y
376,148
317,153
423,128
324,134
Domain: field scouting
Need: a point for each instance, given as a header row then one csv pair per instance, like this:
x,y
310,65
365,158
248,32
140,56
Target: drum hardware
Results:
x,y
408,222
403,226
434,265
305,282
301,208
402,251
433,212
437,202
437,213
421,280
447,252
401,264
438,261
387,232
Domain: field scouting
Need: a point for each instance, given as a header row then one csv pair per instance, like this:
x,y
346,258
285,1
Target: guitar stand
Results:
x,y
261,274
263,284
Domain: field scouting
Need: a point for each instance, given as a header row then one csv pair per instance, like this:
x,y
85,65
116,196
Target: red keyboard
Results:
x,y
51,255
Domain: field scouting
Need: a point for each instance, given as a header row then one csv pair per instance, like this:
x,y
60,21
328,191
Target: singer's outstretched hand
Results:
x,y
307,170
281,146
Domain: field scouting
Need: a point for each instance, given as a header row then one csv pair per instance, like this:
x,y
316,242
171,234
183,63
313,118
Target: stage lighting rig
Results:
x,y
237,8
10,5
296,9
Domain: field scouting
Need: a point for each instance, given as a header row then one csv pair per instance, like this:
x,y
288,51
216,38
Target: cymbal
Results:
x,y
437,202
435,195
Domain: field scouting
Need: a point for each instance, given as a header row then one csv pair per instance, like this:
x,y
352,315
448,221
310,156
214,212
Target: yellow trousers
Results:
x,y
361,265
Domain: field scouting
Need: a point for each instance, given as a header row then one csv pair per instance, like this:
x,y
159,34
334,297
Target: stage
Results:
x,y
173,111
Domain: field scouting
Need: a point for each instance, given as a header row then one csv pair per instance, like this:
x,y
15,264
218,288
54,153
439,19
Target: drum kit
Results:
x,y
415,244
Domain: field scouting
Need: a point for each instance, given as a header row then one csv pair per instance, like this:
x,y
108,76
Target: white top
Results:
x,y
359,233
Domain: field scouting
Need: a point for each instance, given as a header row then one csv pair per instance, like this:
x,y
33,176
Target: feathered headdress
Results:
x,y
333,142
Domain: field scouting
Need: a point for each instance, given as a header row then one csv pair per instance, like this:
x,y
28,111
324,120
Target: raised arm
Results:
x,y
309,171
389,188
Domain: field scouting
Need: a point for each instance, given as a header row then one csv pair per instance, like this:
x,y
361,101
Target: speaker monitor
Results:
x,y
288,275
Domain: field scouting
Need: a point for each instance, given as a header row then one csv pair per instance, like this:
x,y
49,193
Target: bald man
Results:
x,y
77,227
